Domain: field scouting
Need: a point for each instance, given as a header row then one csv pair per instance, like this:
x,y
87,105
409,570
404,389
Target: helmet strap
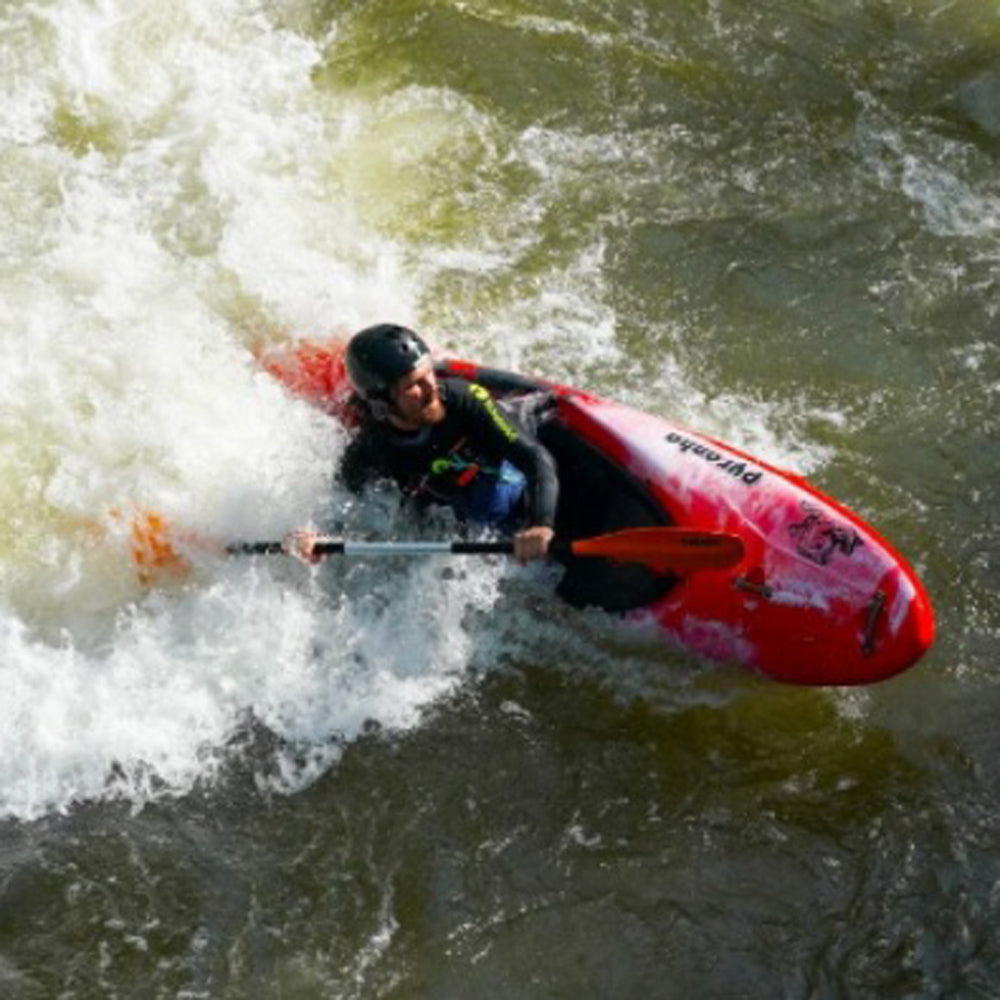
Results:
x,y
379,408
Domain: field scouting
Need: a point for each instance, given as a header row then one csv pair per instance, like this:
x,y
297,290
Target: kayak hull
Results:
x,y
819,597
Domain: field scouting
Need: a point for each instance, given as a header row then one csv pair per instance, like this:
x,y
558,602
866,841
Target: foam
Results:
x,y
176,192
168,183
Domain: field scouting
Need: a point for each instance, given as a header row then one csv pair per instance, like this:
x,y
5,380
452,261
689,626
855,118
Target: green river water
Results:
x,y
778,222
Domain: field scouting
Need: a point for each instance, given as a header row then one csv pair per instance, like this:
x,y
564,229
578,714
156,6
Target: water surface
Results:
x,y
778,223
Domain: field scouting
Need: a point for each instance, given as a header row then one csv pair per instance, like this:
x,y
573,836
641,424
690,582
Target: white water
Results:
x,y
175,192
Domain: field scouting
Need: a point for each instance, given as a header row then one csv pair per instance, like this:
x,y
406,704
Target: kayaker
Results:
x,y
442,441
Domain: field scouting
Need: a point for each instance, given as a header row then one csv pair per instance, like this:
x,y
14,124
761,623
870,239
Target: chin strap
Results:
x,y
378,408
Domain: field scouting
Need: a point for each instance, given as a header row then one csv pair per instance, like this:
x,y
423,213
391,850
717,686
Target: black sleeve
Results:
x,y
359,465
499,434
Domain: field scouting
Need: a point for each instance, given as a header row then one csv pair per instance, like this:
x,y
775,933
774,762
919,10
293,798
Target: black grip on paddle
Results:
x,y
329,548
254,548
506,547
482,548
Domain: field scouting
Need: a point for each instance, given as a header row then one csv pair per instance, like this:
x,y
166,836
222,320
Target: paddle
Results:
x,y
659,548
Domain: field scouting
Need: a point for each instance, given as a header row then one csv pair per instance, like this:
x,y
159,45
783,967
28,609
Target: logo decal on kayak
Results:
x,y
818,538
738,469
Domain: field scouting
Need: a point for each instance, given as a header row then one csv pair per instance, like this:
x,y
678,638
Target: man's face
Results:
x,y
415,397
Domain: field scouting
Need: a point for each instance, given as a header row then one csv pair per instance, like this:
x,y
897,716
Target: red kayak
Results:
x,y
818,598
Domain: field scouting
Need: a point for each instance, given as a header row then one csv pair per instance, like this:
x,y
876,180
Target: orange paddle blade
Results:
x,y
664,549
151,547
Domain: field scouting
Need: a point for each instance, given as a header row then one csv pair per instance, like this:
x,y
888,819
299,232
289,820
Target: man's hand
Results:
x,y
532,543
302,545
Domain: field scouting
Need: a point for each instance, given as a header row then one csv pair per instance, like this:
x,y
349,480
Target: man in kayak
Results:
x,y
442,442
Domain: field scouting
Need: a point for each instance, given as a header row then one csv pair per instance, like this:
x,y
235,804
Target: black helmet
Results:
x,y
380,355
